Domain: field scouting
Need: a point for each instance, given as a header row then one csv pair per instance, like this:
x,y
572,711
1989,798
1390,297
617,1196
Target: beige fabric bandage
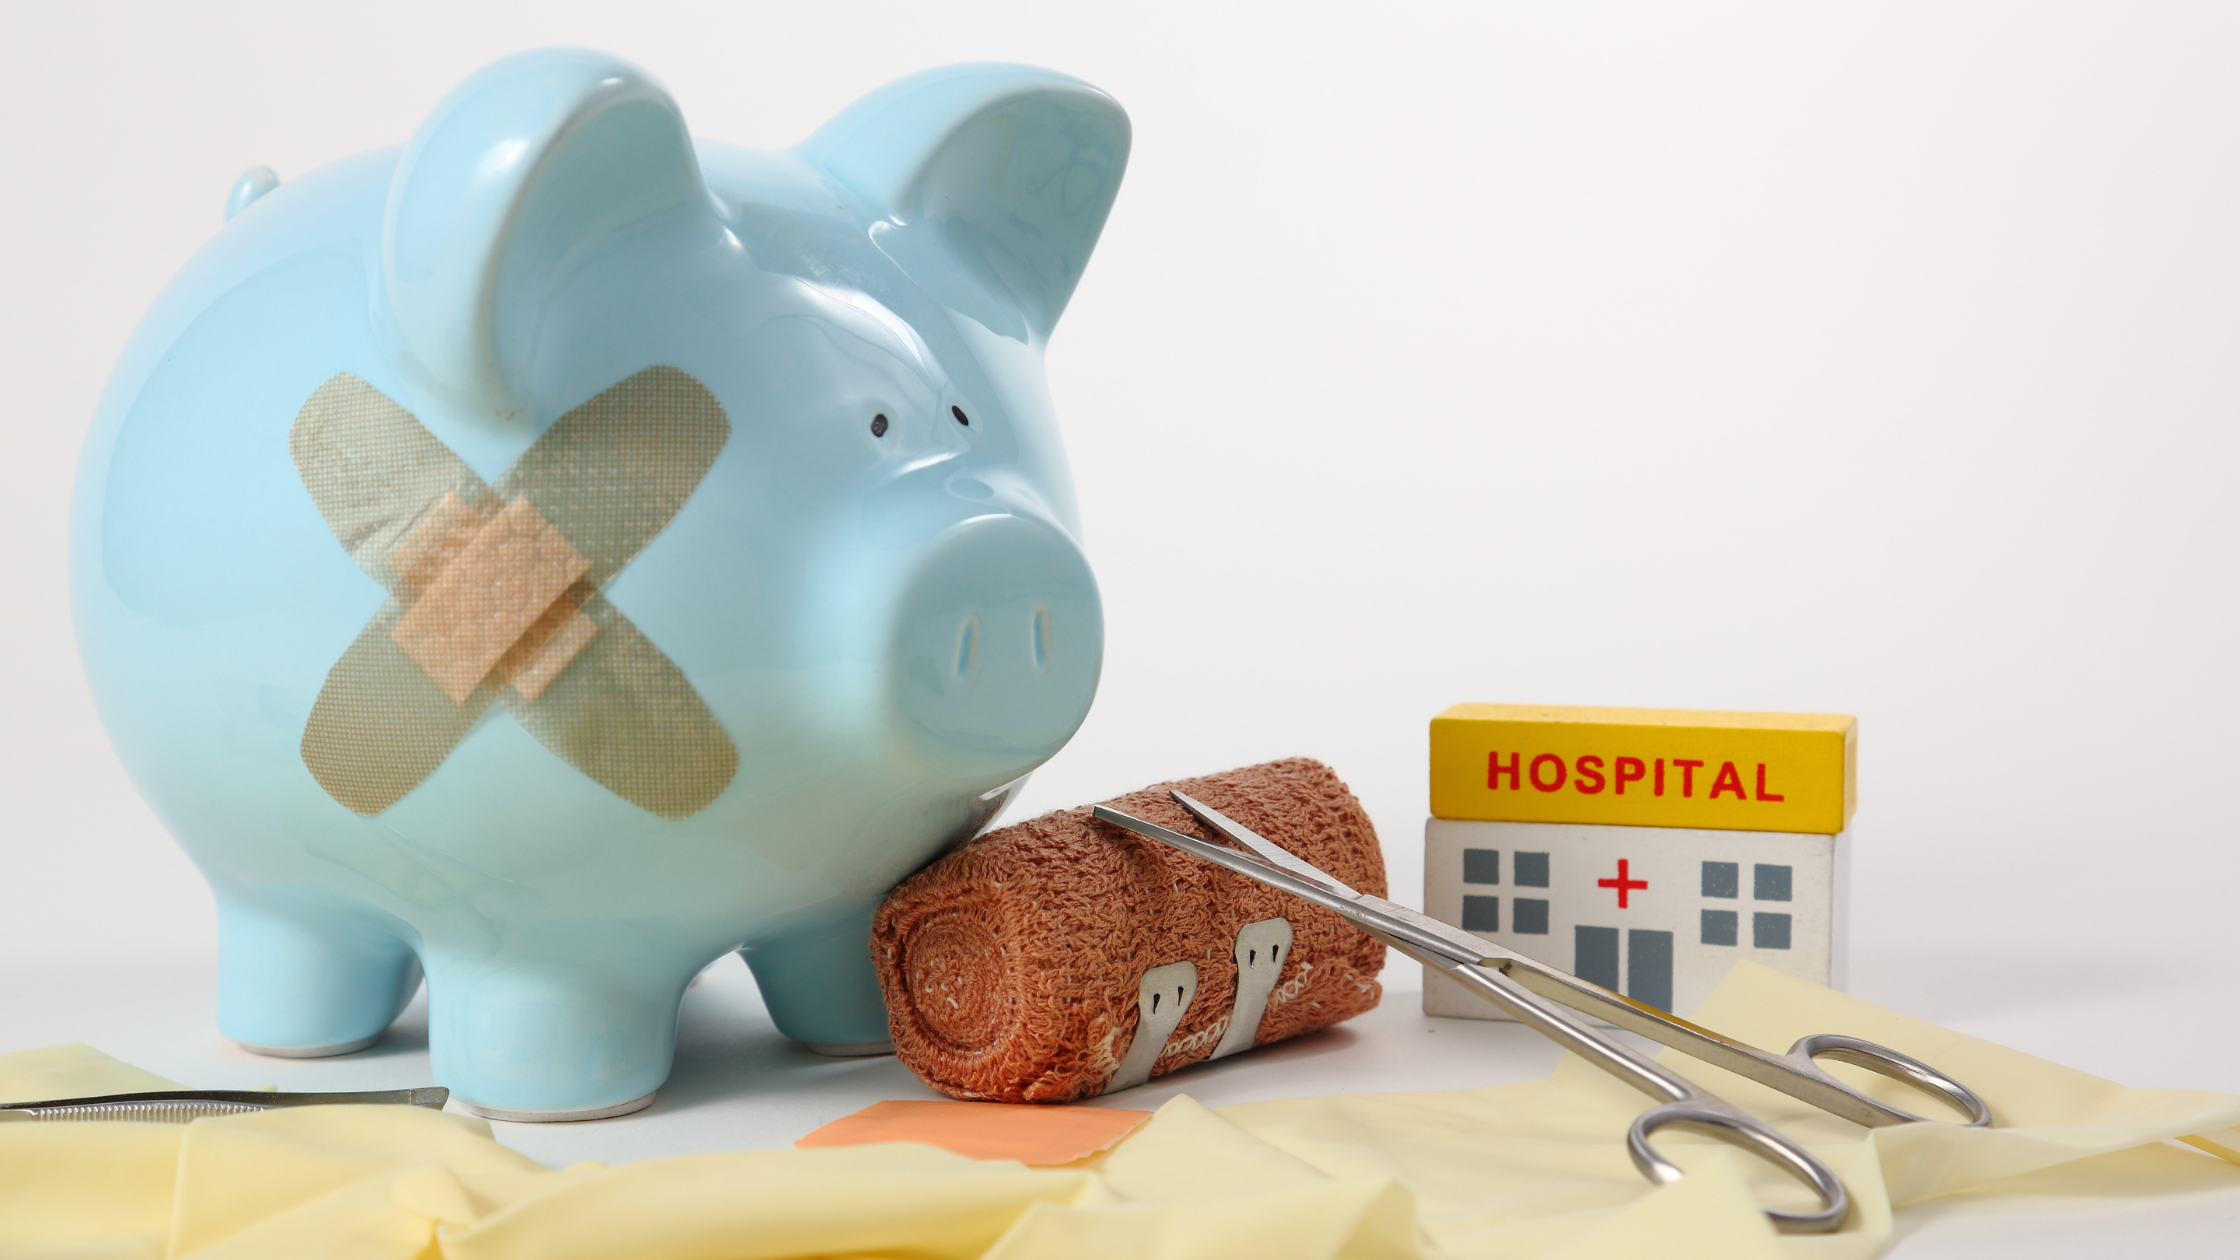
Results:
x,y
495,593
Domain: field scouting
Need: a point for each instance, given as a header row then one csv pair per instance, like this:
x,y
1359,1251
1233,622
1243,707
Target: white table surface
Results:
x,y
738,1084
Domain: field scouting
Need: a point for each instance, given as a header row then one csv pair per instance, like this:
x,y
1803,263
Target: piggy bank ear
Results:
x,y
1012,169
519,172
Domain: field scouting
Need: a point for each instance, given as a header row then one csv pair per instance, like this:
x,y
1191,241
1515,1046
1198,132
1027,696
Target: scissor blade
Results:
x,y
1237,833
1373,915
1460,942
1327,891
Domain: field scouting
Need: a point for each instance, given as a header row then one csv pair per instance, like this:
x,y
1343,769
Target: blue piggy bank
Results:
x,y
558,552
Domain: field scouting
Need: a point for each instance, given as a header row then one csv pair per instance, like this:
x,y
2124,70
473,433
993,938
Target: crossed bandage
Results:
x,y
494,593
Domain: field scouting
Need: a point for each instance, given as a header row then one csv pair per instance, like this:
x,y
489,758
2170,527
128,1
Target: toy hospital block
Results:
x,y
559,551
1644,767
1645,850
1657,913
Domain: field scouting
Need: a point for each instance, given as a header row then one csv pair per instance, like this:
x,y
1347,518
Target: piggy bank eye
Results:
x,y
958,412
879,425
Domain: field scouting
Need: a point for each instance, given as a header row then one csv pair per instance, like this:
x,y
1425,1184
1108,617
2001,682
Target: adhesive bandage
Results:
x,y
494,593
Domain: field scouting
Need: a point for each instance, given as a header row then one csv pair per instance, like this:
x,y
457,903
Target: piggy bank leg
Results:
x,y
820,986
551,1035
305,980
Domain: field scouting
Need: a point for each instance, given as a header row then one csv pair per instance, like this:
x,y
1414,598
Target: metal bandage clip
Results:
x,y
1165,993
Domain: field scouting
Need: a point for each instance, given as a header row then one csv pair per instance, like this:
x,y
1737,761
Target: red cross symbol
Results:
x,y
1623,883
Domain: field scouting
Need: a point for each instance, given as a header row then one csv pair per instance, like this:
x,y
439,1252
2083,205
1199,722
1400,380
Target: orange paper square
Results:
x,y
1025,1132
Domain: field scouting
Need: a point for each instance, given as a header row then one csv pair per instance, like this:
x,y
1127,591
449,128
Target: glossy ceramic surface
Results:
x,y
891,619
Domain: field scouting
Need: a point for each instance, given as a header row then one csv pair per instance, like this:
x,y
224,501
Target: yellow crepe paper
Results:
x,y
1510,1171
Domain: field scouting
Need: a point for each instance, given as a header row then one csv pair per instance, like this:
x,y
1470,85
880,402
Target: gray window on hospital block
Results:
x,y
1531,869
1594,955
1722,879
1769,931
1719,927
1528,916
1770,883
1649,967
1481,914
1481,866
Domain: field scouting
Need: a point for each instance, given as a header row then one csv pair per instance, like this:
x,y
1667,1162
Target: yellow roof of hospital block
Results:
x,y
1645,767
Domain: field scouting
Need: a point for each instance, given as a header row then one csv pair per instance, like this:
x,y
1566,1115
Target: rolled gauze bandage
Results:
x,y
1063,957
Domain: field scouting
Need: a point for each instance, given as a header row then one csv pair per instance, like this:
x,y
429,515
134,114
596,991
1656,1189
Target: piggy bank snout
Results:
x,y
999,637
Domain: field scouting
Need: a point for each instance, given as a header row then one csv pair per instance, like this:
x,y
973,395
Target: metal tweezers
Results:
x,y
178,1106
1531,991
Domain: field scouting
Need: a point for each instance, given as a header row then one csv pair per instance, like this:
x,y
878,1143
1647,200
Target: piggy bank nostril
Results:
x,y
968,647
1038,634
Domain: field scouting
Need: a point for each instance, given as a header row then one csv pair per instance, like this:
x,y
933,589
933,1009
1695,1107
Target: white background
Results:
x,y
1874,359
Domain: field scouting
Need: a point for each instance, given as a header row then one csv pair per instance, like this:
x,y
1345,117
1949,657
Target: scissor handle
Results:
x,y
1897,1066
1716,1119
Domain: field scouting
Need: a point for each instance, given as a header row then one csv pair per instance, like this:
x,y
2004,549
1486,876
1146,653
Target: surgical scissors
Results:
x,y
1531,990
